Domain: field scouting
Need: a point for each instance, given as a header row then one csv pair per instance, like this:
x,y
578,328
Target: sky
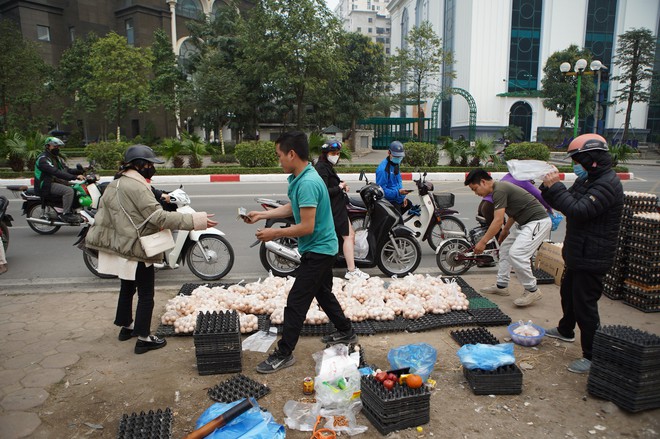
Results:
x,y
331,4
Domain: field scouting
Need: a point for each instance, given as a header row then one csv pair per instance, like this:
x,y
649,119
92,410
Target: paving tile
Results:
x,y
10,376
24,399
18,424
22,360
73,347
40,347
23,335
41,326
60,360
12,326
43,378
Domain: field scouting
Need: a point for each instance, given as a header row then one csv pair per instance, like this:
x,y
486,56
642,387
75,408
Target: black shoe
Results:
x,y
338,337
71,218
154,342
275,362
125,334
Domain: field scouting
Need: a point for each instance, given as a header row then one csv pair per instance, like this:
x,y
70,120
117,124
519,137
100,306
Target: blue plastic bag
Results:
x,y
420,358
486,356
556,218
253,424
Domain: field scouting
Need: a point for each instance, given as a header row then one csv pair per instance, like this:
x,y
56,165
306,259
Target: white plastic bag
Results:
x,y
337,381
528,169
361,244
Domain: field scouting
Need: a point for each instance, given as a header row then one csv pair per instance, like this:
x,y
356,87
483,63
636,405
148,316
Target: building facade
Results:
x,y
367,17
500,48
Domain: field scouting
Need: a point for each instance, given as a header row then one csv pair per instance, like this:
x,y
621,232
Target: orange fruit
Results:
x,y
414,381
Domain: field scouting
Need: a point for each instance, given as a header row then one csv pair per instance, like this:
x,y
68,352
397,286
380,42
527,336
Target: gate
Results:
x,y
403,129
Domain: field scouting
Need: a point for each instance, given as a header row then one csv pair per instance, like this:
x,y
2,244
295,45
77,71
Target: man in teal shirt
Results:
x,y
317,243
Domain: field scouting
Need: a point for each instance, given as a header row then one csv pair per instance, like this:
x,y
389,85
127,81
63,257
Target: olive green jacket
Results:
x,y
112,230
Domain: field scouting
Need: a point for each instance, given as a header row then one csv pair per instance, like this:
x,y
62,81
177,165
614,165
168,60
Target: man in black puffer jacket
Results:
x,y
592,207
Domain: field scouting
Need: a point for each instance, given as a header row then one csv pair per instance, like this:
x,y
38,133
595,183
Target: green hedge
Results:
x,y
420,154
527,151
256,154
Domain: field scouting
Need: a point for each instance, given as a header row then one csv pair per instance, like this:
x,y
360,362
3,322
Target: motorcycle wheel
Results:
x,y
91,260
5,236
36,211
220,253
449,223
392,264
446,257
278,265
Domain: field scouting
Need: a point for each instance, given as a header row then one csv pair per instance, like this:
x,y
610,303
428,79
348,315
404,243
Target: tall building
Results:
x,y
500,48
367,17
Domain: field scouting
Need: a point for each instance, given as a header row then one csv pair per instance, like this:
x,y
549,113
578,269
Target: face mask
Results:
x,y
147,173
55,151
396,160
333,159
579,170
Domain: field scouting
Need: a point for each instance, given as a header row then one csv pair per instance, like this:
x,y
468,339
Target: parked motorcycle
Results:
x,y
391,245
5,222
207,252
43,214
455,256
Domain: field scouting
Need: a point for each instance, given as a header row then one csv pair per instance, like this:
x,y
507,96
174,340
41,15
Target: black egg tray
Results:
x,y
385,428
625,358
625,400
644,385
263,322
412,410
399,324
364,327
433,321
627,336
396,399
216,365
640,300
156,425
168,331
237,387
543,277
489,317
473,336
481,302
644,308
222,322
505,380
612,291
187,289
216,348
644,278
309,330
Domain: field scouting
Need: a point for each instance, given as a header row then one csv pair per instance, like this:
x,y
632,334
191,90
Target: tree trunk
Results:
x,y
300,96
631,92
351,134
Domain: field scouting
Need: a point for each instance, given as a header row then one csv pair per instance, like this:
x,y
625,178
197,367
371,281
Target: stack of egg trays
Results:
x,y
643,298
153,425
505,380
238,387
217,340
481,302
473,336
396,409
543,277
489,317
433,321
187,289
625,368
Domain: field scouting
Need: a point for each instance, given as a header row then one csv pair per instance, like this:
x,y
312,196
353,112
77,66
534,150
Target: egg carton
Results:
x,y
613,291
474,336
208,366
489,317
505,380
543,277
433,321
364,327
237,387
481,302
217,348
385,428
187,289
629,342
644,384
168,331
399,324
625,400
411,411
152,425
396,399
309,330
222,322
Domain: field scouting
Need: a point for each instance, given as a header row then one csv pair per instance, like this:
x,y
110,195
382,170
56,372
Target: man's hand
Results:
x,y
165,197
253,216
209,222
80,177
479,248
503,234
551,178
267,234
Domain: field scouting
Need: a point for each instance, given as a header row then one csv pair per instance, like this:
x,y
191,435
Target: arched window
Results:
x,y
420,12
189,8
186,52
217,5
520,115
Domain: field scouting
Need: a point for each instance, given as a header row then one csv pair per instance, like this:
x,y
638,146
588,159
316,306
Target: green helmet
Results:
x,y
52,141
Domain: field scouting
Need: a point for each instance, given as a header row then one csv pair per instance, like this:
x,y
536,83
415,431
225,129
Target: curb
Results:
x,y
281,178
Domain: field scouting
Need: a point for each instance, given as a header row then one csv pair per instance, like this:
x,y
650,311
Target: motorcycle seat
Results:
x,y
357,202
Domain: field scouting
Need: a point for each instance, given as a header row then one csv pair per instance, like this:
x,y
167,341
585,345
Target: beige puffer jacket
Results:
x,y
112,230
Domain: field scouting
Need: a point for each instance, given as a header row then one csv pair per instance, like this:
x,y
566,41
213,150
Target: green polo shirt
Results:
x,y
309,190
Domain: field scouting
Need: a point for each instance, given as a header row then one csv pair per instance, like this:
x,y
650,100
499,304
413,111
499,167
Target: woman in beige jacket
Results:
x,y
128,202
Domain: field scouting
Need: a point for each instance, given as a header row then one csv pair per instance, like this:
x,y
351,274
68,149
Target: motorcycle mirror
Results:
x,y
79,167
362,175
424,174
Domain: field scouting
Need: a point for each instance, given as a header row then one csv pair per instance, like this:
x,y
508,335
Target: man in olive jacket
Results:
x,y
592,207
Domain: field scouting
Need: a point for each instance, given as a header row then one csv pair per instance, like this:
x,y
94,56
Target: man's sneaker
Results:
x,y
554,333
338,337
125,334
142,346
494,289
356,274
580,366
275,362
528,298
71,218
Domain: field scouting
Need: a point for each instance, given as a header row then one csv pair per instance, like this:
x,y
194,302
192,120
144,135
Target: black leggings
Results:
x,y
144,283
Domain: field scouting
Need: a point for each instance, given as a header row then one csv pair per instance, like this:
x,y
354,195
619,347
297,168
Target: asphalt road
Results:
x,y
51,263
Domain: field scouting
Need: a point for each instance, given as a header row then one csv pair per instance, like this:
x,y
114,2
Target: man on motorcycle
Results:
x,y
51,177
388,177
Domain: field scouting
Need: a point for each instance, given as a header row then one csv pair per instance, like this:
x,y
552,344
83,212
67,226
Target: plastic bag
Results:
x,y
419,357
260,341
528,169
337,380
556,219
526,329
253,424
303,415
361,244
486,356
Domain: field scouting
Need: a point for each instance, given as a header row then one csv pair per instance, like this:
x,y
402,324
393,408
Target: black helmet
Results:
x,y
371,193
331,145
141,152
396,149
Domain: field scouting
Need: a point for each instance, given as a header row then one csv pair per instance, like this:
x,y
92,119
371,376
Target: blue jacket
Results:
x,y
390,181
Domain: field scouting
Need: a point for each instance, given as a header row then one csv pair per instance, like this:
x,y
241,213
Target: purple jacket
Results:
x,y
529,187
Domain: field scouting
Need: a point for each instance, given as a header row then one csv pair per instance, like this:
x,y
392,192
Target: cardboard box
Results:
x,y
549,259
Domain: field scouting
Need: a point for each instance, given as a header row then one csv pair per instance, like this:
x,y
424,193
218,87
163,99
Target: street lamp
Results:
x,y
597,67
580,65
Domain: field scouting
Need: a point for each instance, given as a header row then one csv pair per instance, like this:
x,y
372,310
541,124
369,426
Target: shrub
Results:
x,y
107,155
223,158
527,151
421,155
256,154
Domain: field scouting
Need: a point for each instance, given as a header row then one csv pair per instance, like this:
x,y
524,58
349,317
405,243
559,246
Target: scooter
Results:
x,y
391,245
43,214
5,222
207,252
433,220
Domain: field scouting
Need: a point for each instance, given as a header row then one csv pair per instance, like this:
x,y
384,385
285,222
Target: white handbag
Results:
x,y
155,243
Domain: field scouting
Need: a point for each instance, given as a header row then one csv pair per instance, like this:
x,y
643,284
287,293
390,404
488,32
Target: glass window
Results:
x,y
371,20
189,8
130,34
369,30
359,29
43,33
72,34
186,52
525,43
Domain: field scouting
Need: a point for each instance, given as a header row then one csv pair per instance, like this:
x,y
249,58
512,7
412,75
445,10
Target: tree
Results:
x,y
419,63
634,56
119,75
560,90
22,77
363,78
